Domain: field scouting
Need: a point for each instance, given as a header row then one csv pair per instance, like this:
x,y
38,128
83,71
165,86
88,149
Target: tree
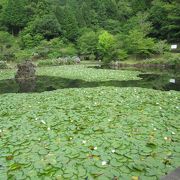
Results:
x,y
158,17
165,17
47,25
138,44
69,24
6,46
87,43
124,10
14,16
5,40
173,20
106,44
139,22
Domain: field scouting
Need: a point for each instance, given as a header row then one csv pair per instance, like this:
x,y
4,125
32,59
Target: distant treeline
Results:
x,y
103,29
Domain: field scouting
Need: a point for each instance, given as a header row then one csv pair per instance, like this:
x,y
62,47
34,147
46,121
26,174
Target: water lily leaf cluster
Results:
x,y
89,133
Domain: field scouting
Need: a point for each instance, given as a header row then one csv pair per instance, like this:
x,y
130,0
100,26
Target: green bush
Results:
x,y
172,58
54,54
8,46
3,65
29,41
9,55
167,58
68,50
54,49
161,47
92,57
22,55
42,52
46,62
57,62
122,55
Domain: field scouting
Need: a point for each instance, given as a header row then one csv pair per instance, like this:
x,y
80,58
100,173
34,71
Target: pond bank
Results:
x,y
140,65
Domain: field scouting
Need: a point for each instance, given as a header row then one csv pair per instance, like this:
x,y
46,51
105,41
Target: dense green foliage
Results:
x,y
170,59
112,132
131,28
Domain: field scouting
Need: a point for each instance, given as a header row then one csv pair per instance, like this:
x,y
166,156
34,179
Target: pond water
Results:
x,y
157,79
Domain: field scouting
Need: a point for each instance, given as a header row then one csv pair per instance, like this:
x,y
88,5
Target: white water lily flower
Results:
x,y
70,138
173,133
177,107
48,128
160,107
84,142
0,130
43,121
157,103
104,163
165,138
95,148
36,119
113,151
155,129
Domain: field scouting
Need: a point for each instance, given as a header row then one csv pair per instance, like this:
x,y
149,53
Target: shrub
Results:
x,y
172,58
3,65
59,61
161,47
9,55
167,58
7,46
92,57
54,54
22,55
29,41
54,49
68,50
122,54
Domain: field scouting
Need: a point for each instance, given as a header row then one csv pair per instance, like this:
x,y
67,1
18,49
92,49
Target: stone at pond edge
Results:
x,y
25,76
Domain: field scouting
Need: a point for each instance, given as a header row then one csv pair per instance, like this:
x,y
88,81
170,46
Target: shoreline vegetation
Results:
x,y
172,61
93,30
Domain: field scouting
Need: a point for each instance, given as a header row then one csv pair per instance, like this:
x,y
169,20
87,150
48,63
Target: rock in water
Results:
x,y
25,76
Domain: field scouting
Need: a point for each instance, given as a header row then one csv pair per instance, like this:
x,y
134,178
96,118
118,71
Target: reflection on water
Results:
x,y
51,83
26,85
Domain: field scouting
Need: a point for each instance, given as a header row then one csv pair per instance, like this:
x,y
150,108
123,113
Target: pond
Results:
x,y
111,130
158,79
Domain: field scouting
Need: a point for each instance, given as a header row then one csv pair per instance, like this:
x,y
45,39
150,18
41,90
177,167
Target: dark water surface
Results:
x,y
158,79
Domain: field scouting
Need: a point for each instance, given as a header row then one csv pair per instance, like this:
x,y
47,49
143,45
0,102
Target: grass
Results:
x,y
99,133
